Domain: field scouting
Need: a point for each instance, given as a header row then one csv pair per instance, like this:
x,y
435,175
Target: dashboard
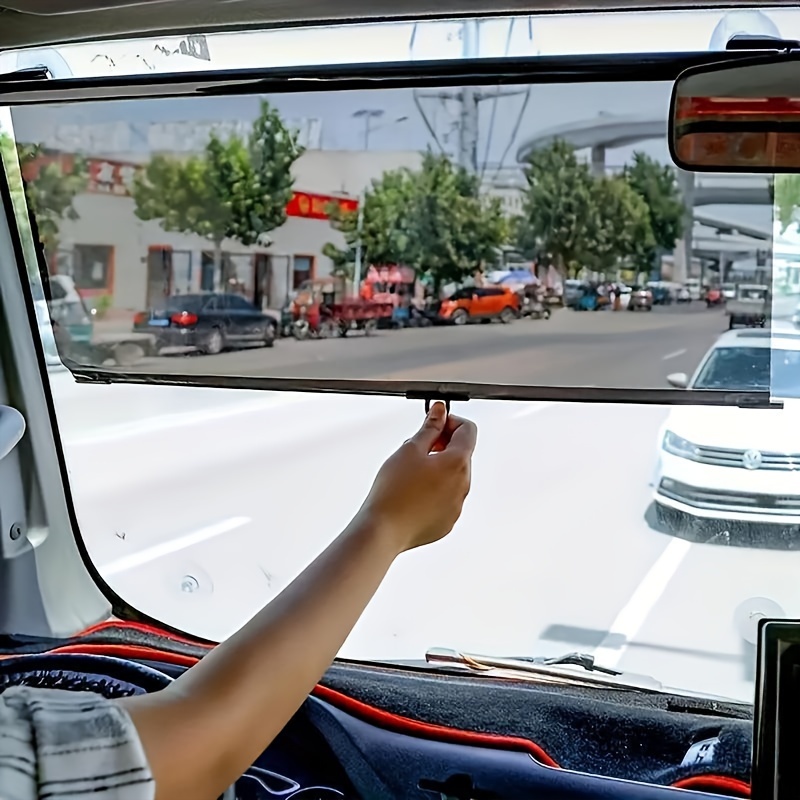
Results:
x,y
386,732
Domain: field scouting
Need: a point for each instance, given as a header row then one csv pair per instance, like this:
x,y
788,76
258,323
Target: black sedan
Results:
x,y
209,323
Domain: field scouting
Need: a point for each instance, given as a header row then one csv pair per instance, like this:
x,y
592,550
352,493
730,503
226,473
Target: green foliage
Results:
x,y
601,223
234,189
559,208
103,305
620,228
657,184
433,219
786,199
51,191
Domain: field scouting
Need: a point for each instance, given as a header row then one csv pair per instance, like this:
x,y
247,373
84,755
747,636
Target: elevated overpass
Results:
x,y
608,131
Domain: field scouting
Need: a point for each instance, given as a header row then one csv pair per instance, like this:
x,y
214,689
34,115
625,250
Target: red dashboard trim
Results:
x,y
716,784
127,651
426,730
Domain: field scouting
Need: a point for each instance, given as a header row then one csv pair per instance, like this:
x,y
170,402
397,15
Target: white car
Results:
x,y
735,464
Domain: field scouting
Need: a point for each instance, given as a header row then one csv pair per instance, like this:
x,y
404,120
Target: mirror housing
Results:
x,y
679,380
741,116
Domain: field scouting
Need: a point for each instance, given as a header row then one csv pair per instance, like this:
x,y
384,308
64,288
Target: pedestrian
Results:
x,y
197,736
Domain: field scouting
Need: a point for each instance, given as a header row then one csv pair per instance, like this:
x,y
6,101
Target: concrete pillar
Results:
x,y
599,161
683,247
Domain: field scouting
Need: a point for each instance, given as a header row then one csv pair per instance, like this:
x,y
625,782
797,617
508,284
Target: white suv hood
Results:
x,y
739,428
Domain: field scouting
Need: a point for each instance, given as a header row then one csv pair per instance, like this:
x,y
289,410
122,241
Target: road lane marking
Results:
x,y
635,612
677,353
175,419
172,546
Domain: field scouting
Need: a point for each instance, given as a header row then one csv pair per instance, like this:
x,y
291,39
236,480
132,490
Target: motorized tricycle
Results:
x,y
533,306
714,297
322,309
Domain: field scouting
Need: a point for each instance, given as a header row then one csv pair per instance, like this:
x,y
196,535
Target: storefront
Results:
x,y
119,260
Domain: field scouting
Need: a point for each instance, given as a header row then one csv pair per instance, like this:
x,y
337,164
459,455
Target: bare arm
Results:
x,y
202,732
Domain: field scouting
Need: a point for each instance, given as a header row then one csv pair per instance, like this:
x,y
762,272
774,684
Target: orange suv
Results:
x,y
481,303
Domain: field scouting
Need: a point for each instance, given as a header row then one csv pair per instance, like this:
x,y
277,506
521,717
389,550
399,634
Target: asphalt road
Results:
x,y
572,348
200,505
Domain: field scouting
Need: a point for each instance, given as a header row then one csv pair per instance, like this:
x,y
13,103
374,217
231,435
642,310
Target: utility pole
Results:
x,y
469,100
368,114
468,118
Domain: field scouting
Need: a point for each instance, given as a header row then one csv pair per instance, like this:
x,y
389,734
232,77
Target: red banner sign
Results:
x,y
317,206
116,178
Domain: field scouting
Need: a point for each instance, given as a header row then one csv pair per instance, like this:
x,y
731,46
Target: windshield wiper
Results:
x,y
577,659
559,669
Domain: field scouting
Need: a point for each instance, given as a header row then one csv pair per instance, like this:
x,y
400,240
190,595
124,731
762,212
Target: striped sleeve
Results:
x,y
58,745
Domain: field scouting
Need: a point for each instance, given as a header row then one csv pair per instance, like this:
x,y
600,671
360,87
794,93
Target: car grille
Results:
x,y
722,457
719,500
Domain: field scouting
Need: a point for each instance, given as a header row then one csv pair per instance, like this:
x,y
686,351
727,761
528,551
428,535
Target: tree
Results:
x,y
50,187
433,219
387,229
657,185
787,199
559,211
456,229
620,226
234,189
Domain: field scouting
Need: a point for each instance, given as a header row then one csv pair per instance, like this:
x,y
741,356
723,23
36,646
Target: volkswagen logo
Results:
x,y
751,459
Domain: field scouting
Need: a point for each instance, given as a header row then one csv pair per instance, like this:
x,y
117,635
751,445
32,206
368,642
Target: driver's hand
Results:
x,y
419,492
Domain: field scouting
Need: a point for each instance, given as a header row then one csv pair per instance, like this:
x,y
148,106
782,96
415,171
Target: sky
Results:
x,y
401,127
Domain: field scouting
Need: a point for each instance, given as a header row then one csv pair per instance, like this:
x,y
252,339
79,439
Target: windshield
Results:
x,y
736,368
197,505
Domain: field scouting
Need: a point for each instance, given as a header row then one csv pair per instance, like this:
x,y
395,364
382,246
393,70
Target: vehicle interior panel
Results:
x,y
694,552
29,24
369,731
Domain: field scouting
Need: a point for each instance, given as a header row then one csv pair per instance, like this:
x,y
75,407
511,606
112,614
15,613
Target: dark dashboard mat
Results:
x,y
640,736
632,735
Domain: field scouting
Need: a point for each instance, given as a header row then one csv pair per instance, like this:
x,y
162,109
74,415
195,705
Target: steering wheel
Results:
x,y
109,677
104,675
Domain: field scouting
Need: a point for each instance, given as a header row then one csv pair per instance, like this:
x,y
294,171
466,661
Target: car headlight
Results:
x,y
678,446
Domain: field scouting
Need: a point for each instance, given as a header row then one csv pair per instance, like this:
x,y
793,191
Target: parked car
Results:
x,y
208,323
641,297
68,310
480,303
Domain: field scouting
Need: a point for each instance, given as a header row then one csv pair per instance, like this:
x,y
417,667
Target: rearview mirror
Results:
x,y
737,117
680,380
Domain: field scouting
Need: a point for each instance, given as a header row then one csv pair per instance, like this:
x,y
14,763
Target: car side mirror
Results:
x,y
680,380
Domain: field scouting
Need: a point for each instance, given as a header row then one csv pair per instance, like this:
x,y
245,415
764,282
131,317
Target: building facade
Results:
x,y
126,263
